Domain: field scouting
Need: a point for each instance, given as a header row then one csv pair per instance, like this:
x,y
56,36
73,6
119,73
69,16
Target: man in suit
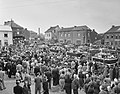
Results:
x,y
75,84
2,79
38,81
18,89
49,77
28,80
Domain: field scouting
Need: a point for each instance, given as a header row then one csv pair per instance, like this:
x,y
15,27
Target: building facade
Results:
x,y
76,35
52,33
20,33
112,37
6,37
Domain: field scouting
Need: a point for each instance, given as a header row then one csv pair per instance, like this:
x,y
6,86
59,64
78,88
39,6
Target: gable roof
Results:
x,y
75,28
51,29
113,29
5,28
13,24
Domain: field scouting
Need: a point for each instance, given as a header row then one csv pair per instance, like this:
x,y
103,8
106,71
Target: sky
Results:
x,y
33,14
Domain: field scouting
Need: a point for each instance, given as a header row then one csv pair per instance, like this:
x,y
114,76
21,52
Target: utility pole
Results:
x,y
39,32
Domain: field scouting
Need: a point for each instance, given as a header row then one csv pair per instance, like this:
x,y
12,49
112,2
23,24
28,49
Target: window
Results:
x,y
5,42
68,41
107,37
68,35
78,42
112,36
111,43
107,43
18,33
116,37
78,34
88,34
65,35
5,35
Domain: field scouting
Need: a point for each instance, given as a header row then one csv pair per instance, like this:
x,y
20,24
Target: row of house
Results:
x,y
83,35
75,35
11,33
112,36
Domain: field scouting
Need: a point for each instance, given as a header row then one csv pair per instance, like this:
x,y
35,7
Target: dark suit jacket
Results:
x,y
18,90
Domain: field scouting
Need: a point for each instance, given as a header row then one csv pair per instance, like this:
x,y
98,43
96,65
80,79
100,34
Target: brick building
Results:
x,y
52,33
77,35
6,37
20,33
112,36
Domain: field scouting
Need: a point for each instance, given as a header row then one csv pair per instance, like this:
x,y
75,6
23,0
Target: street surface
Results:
x,y
10,83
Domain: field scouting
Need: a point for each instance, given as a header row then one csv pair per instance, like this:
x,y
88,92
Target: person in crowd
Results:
x,y
36,69
27,79
68,84
55,75
81,79
17,89
13,69
90,89
2,74
9,69
26,89
38,82
111,72
19,69
49,77
45,85
75,84
18,77
103,89
116,88
62,80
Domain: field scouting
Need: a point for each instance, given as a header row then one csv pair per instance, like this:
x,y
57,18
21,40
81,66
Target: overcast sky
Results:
x,y
96,14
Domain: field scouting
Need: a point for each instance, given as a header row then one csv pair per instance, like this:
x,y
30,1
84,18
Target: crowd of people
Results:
x,y
57,68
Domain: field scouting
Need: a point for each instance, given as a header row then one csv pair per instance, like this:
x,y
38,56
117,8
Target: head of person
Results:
x,y
75,76
17,82
25,83
63,72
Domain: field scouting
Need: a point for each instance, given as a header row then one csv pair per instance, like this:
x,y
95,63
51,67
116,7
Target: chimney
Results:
x,y
93,30
113,26
39,31
5,23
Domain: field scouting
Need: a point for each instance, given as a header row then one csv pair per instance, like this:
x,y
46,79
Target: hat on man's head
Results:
x,y
17,82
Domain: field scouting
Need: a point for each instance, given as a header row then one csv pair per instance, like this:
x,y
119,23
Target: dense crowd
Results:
x,y
57,68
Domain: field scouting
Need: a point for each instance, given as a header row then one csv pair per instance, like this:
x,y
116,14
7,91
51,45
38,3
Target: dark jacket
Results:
x,y
75,84
49,75
18,90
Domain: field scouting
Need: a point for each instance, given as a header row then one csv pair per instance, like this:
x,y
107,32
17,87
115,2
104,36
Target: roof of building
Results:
x,y
5,28
51,29
13,24
32,32
113,29
75,28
